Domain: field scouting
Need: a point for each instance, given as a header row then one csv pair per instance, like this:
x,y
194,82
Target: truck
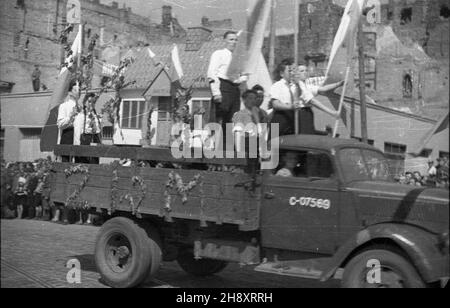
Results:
x,y
340,215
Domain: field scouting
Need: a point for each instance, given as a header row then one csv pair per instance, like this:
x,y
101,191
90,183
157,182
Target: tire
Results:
x,y
395,271
202,267
127,252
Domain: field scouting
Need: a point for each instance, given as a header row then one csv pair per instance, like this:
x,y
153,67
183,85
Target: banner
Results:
x,y
49,135
247,53
343,47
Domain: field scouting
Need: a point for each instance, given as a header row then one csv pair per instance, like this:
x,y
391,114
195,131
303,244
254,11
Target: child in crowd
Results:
x,y
20,197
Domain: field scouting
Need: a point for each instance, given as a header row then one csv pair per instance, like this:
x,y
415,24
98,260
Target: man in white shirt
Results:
x,y
282,96
67,112
225,92
307,101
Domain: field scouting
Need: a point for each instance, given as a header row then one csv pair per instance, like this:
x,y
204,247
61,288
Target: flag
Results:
x,y
49,135
175,71
343,47
246,57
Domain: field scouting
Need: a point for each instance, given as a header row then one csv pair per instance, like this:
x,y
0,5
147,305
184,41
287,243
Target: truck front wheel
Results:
x,y
380,269
126,252
201,267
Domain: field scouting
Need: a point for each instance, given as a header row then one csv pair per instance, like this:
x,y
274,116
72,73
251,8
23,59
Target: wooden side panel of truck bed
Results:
x,y
223,197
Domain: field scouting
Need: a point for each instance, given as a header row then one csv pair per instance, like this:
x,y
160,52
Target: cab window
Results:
x,y
304,164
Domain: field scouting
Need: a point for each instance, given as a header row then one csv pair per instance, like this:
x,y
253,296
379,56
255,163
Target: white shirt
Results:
x,y
281,91
64,120
309,91
218,68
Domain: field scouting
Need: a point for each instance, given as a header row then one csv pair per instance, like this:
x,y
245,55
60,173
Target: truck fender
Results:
x,y
421,246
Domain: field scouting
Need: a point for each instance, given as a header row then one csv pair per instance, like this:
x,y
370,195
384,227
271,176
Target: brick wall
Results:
x,y
40,24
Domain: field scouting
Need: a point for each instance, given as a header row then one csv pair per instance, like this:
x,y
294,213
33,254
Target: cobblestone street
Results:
x,y
34,254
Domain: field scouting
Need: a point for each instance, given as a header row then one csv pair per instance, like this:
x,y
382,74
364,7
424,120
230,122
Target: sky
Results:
x,y
190,12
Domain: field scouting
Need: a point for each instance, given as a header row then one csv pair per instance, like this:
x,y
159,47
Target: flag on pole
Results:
x,y
49,135
343,47
175,71
247,53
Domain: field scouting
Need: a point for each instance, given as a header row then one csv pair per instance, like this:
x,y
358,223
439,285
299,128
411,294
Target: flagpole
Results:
x,y
272,38
341,103
362,82
296,31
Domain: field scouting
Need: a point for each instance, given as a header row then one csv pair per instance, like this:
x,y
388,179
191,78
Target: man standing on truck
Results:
x,y
225,92
307,101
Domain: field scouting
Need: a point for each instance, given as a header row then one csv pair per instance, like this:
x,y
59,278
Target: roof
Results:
x,y
318,142
194,63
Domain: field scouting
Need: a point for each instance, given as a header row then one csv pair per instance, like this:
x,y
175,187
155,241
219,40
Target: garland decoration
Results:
x,y
73,200
176,182
114,190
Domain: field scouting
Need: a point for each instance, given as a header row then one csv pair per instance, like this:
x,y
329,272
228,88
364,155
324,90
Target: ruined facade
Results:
x,y
406,47
30,31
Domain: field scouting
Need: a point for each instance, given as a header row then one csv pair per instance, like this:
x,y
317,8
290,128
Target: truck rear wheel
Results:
x,y
391,270
202,267
127,252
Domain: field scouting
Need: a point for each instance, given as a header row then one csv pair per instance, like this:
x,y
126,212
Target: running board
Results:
x,y
310,268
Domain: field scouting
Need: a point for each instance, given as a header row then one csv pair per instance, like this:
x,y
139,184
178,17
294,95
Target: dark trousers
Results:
x,y
87,139
286,122
67,138
306,119
36,85
231,103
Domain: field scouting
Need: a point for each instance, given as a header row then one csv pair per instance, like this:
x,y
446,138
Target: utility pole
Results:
x,y
362,82
272,38
296,30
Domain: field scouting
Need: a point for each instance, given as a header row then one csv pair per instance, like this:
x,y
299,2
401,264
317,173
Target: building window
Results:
x,y
20,4
445,12
396,155
31,133
407,86
426,153
16,42
132,114
406,16
107,132
370,141
164,108
443,154
200,106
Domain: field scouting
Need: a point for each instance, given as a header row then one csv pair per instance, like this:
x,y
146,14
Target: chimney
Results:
x,y
115,5
166,15
205,21
196,36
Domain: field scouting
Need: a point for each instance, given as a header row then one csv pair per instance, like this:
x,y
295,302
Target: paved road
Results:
x,y
34,254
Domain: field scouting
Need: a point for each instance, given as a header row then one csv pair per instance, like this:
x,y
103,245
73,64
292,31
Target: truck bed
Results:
x,y
218,197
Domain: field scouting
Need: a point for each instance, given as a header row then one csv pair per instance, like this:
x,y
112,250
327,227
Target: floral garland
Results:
x,y
72,200
114,190
135,205
176,182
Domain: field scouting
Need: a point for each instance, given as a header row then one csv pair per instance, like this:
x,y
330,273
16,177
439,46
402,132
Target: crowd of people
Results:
x,y
437,175
25,194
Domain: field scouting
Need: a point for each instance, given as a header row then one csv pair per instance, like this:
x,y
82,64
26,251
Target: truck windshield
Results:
x,y
364,165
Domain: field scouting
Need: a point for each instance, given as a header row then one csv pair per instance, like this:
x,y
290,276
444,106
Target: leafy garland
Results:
x,y
117,82
176,182
129,197
114,190
73,200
